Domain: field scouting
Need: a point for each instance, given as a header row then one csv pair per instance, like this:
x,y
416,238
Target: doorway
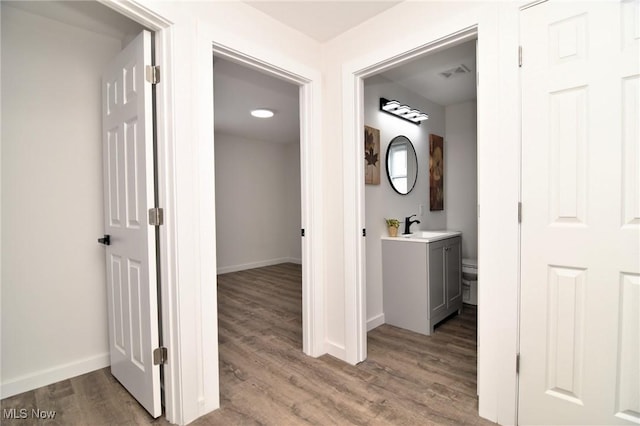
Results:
x,y
309,217
354,200
258,207
258,203
63,162
443,85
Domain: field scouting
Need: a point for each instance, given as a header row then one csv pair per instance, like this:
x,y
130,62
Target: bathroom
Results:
x,y
442,85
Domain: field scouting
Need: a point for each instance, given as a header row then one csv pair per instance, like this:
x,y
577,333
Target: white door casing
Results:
x,y
580,285
128,194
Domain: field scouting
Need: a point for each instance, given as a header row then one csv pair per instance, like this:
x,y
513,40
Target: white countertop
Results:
x,y
424,236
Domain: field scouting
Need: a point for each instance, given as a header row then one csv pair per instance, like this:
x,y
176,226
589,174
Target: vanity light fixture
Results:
x,y
402,111
390,105
262,113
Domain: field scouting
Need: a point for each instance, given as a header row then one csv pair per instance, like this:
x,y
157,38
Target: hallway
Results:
x,y
408,378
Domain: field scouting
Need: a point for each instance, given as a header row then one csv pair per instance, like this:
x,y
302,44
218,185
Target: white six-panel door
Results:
x,y
580,285
128,194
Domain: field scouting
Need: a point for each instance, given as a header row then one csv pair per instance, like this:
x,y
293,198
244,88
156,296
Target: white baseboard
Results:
x,y
374,322
52,375
336,350
259,264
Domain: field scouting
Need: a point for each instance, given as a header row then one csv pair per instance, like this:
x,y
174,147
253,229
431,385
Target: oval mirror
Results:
x,y
402,165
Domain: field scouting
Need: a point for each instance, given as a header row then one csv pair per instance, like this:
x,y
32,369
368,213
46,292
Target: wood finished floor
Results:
x,y
265,379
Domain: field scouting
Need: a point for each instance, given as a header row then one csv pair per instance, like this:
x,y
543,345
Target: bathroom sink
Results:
x,y
428,236
425,234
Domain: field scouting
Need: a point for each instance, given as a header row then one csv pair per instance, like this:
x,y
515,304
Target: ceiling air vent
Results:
x,y
453,72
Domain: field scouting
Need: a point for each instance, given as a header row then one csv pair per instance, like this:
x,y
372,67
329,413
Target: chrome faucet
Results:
x,y
407,224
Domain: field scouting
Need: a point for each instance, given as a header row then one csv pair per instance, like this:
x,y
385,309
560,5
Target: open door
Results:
x,y
127,137
580,288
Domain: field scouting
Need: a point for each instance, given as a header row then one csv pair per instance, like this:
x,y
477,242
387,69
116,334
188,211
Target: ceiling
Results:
x,y
238,90
322,20
423,75
88,15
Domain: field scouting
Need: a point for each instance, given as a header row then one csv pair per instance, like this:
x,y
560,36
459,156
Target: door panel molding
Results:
x,y
579,298
128,159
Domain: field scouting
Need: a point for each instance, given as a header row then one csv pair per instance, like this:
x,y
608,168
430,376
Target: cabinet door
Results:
x,y
453,257
437,288
404,285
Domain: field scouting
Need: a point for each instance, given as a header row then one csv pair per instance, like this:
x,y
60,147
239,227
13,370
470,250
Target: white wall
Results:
x,y
54,319
381,200
461,193
257,199
294,202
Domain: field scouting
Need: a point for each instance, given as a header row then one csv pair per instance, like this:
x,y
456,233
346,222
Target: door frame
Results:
x,y
311,190
354,199
496,26
165,174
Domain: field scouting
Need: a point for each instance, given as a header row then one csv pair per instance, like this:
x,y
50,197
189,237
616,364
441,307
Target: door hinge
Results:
x,y
160,356
153,74
364,232
302,232
517,363
519,212
156,216
519,56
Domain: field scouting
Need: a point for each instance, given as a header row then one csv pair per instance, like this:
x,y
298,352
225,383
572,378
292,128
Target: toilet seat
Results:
x,y
470,266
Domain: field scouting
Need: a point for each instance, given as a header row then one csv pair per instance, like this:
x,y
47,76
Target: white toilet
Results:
x,y
470,281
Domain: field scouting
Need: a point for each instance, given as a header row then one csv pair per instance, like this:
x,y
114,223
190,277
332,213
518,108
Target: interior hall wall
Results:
x,y
294,205
461,174
54,301
382,201
257,200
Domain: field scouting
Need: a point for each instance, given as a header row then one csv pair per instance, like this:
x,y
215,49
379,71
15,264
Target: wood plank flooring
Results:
x,y
265,379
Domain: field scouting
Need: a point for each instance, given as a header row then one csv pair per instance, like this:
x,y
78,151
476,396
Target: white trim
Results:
x,y
312,220
311,187
375,322
258,264
531,4
1,222
52,375
336,350
207,373
354,220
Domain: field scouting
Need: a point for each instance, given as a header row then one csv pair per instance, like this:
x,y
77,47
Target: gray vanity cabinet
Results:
x,y
445,278
421,282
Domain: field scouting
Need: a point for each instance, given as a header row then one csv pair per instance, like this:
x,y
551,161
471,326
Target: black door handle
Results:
x,y
106,240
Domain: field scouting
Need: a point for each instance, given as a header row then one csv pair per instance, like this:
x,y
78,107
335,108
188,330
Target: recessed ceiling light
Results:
x,y
262,113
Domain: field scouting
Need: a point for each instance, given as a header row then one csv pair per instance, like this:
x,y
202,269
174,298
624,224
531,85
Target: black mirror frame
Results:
x,y
386,164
